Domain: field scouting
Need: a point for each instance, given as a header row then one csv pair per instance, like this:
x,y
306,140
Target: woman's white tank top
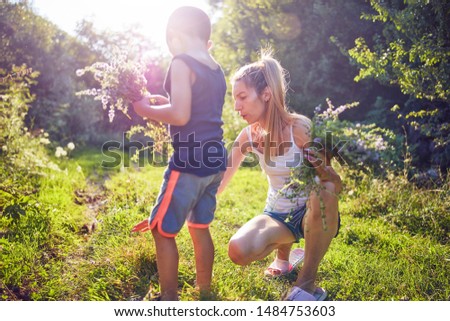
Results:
x,y
278,171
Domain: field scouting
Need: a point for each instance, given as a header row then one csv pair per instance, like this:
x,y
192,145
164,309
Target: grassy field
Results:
x,y
71,240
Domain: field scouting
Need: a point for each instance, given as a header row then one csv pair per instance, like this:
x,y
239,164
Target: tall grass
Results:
x,y
393,243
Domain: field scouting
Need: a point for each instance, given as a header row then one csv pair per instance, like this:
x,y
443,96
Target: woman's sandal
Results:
x,y
298,294
295,258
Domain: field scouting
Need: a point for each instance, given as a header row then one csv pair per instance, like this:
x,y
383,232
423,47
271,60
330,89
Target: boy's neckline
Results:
x,y
217,66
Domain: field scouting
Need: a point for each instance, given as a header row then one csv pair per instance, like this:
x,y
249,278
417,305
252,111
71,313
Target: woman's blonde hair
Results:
x,y
268,73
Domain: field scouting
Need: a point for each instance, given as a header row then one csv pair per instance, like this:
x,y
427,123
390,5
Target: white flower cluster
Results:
x,y
61,152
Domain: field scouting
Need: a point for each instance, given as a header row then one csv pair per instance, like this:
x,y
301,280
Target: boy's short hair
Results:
x,y
191,21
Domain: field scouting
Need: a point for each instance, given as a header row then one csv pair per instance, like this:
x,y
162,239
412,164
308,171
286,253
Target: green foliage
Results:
x,y
304,35
32,40
413,51
22,152
34,232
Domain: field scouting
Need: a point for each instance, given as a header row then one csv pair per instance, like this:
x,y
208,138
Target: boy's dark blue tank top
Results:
x,y
198,146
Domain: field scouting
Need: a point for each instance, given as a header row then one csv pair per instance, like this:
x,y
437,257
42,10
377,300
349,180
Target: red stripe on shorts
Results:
x,y
162,210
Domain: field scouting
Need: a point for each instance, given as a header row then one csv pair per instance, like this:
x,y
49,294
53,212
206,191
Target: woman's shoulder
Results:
x,y
301,129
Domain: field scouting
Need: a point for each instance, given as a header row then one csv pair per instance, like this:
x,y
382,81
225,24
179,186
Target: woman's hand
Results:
x,y
325,172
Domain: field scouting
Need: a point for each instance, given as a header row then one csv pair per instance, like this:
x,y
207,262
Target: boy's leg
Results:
x,y
204,257
258,238
167,263
198,223
317,239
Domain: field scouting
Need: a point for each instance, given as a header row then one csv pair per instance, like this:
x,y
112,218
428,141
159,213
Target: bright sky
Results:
x,y
151,15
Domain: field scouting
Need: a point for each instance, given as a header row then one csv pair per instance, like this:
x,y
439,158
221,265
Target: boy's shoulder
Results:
x,y
198,59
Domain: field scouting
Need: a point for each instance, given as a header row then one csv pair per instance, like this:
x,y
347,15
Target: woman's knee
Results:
x,y
237,252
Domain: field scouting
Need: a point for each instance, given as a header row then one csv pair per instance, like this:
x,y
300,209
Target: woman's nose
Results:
x,y
237,106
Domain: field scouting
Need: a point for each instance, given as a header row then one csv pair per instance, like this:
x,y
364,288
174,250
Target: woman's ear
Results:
x,y
209,45
267,94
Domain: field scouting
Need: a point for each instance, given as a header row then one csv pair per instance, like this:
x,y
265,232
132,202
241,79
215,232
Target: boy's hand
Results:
x,y
157,100
142,226
144,108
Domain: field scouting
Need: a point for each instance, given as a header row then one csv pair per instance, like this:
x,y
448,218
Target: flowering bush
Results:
x,y
23,153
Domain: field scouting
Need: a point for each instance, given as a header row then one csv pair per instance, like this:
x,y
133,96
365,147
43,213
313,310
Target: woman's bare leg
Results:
x,y
258,238
317,235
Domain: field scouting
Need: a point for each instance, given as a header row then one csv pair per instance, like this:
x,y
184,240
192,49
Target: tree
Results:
x,y
311,38
412,52
27,38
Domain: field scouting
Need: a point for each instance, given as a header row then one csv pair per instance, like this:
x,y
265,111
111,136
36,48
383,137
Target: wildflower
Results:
x,y
99,65
111,115
379,144
60,152
44,141
80,72
71,146
53,166
340,109
4,148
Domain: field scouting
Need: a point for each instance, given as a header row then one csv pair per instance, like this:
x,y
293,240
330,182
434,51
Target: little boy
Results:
x,y
196,85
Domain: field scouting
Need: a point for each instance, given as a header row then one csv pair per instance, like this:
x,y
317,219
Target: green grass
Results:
x,y
378,255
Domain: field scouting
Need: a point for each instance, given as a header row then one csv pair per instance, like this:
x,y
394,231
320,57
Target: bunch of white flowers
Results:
x,y
62,152
121,82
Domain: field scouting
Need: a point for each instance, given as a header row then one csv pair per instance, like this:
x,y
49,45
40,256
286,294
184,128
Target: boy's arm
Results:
x,y
237,155
178,111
